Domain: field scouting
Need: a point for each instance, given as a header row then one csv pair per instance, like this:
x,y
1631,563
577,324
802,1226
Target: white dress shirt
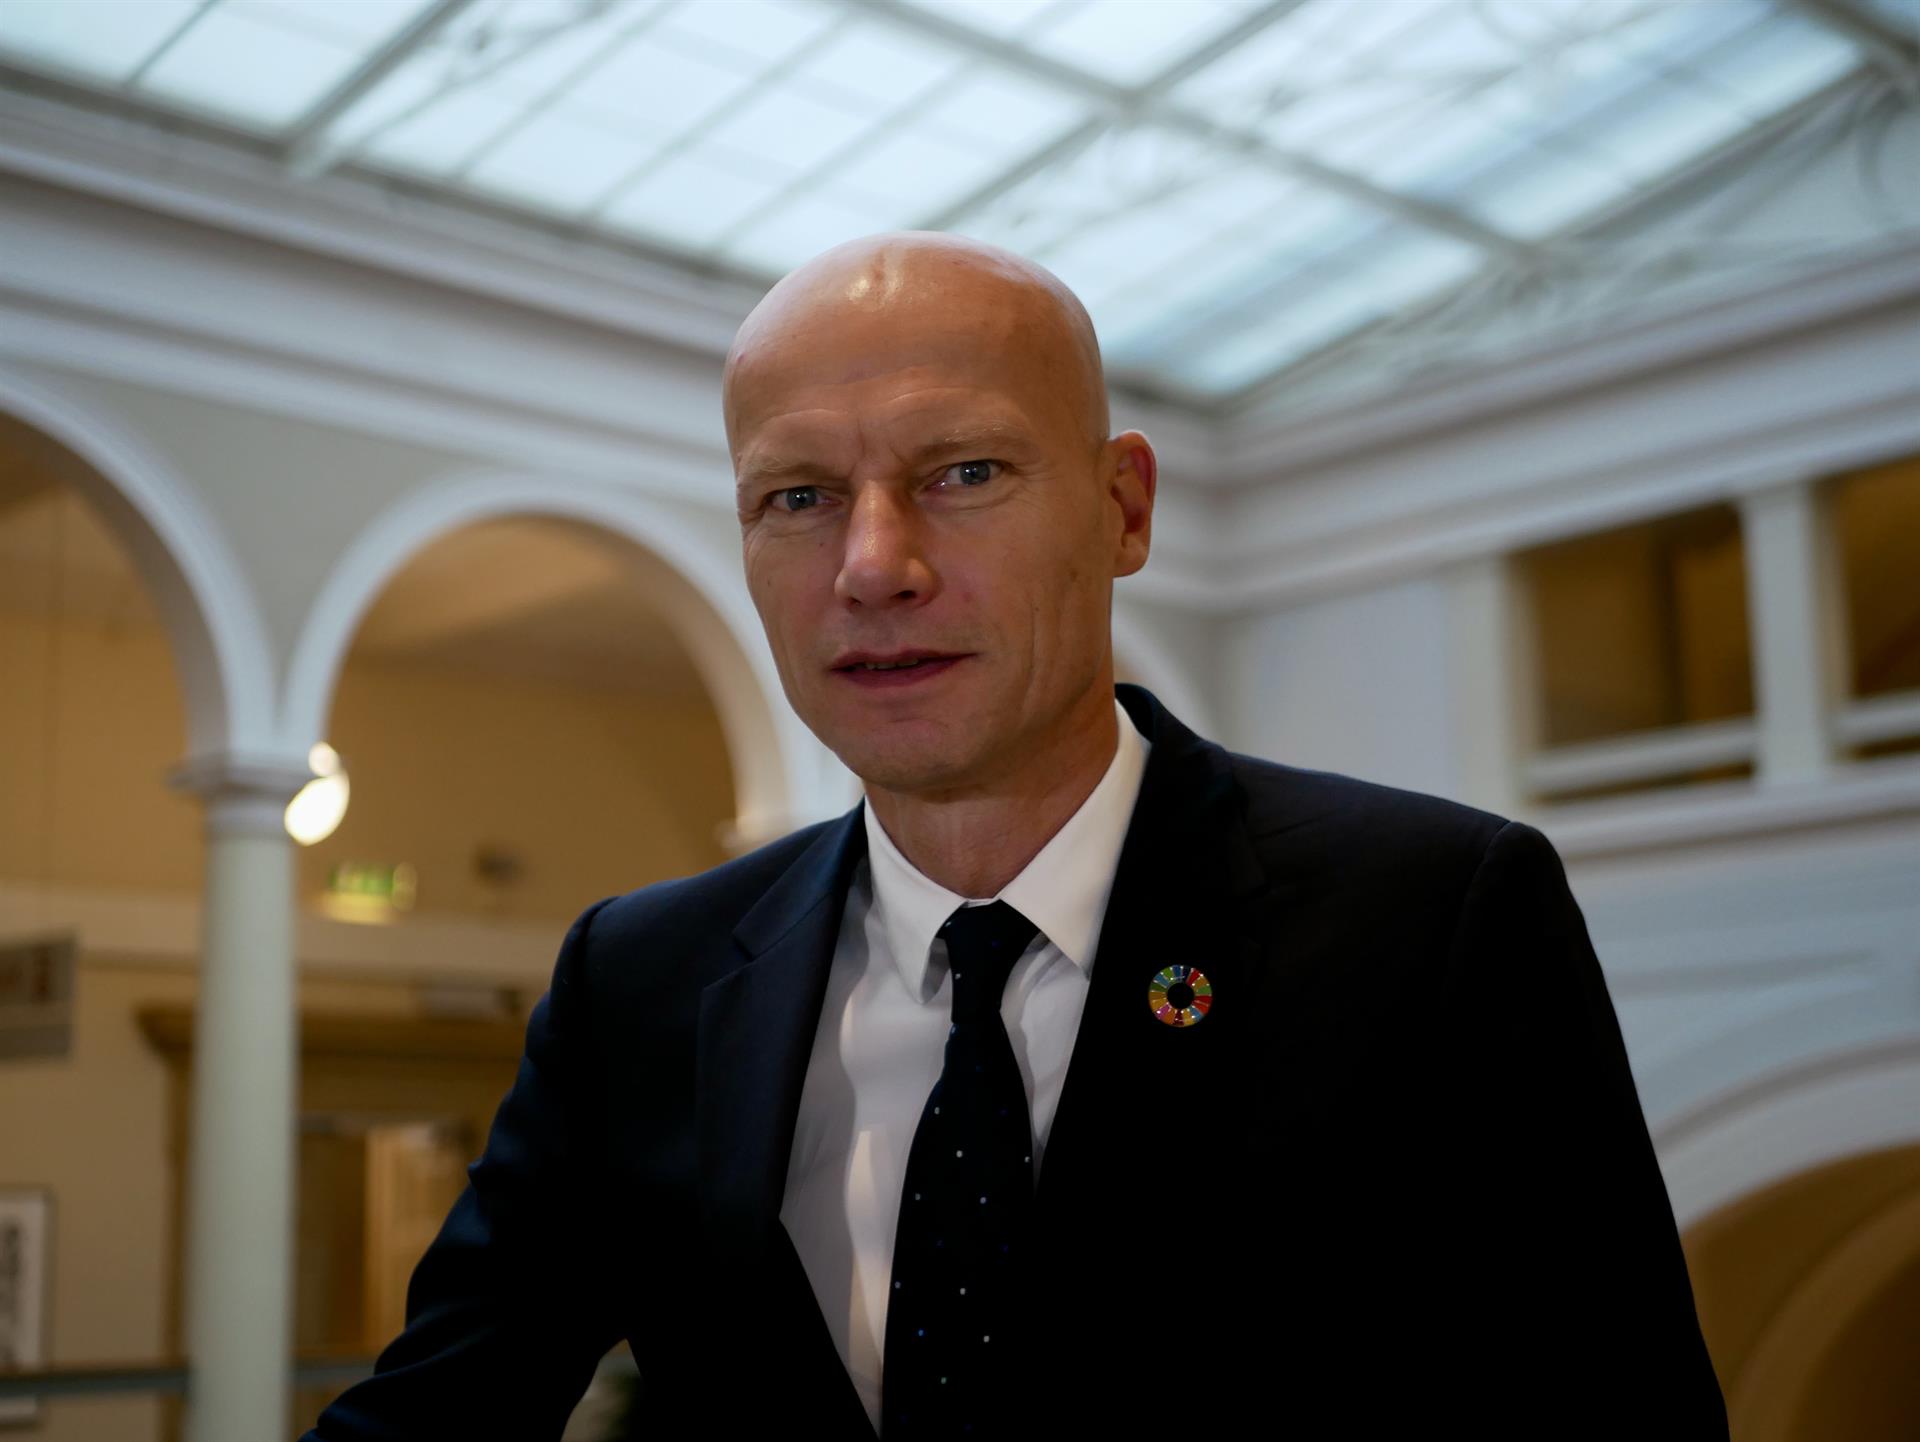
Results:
x,y
882,1038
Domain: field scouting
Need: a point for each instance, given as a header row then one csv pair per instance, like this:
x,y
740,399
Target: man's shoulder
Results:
x,y
1347,818
711,900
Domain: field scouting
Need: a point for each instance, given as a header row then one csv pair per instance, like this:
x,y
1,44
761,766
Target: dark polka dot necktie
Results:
x,y
964,1207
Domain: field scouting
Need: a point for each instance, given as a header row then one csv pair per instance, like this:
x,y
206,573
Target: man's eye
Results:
x,y
796,498
973,473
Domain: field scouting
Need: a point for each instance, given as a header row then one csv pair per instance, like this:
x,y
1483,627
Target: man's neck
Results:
x,y
976,841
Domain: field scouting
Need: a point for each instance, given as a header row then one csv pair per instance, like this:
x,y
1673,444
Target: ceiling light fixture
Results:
x,y
315,813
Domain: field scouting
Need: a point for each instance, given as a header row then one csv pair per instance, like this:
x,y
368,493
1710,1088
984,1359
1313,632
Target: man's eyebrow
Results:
x,y
983,437
759,468
972,438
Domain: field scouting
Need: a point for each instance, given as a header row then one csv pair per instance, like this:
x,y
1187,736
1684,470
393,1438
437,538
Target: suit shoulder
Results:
x,y
1345,811
719,895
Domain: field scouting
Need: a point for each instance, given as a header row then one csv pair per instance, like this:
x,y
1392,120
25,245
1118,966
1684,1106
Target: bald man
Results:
x,y
1085,1075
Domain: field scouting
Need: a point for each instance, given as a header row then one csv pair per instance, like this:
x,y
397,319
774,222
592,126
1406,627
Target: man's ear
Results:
x,y
1131,471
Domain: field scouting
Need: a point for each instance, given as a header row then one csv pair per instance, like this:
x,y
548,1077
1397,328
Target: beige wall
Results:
x,y
90,720
599,791
93,1127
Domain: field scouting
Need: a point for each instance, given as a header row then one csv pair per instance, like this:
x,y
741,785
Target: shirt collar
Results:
x,y
1063,890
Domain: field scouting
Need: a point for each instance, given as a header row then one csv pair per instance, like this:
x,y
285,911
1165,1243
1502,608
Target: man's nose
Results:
x,y
885,560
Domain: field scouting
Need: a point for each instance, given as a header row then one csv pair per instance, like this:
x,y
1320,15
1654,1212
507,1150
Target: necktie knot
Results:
x,y
983,943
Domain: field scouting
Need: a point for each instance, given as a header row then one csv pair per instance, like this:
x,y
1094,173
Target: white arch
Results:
x,y
1802,1116
212,617
779,780
1799,1338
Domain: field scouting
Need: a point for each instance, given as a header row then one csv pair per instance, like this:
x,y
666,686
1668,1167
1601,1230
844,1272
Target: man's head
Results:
x,y
919,433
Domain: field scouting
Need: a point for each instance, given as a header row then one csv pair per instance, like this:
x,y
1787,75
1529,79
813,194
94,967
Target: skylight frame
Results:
x,y
1105,104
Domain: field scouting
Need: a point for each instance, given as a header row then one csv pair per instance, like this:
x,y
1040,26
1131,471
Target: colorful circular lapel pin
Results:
x,y
1180,995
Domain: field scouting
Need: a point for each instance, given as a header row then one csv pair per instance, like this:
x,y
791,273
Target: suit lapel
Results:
x,y
1145,1105
1137,1096
755,1038
756,1035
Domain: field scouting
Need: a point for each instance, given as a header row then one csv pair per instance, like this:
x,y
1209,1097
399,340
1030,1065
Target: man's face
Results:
x,y
919,482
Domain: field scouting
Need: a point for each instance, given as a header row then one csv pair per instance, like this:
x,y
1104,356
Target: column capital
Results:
x,y
1778,488
244,793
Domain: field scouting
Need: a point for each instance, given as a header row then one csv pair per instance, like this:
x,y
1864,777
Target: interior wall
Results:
x,y
90,721
600,791
93,1127
597,792
1355,683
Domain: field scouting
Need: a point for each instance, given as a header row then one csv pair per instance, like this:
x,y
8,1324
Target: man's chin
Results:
x,y
908,769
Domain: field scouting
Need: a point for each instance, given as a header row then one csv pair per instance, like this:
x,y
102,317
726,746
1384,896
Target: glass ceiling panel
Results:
x,y
874,67
1210,281
694,198
1327,301
757,32
921,170
1003,18
250,65
753,133
803,228
1666,96
564,160
70,39
1126,41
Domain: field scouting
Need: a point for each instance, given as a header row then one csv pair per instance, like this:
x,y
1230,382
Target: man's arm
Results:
x,y
505,1321
1579,1278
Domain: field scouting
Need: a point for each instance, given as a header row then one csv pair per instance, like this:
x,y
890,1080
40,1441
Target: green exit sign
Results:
x,y
368,882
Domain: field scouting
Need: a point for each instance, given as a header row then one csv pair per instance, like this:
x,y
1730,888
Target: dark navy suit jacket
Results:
x,y
1397,1180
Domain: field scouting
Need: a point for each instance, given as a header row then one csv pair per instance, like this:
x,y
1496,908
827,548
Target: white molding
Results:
x,y
458,252
223,658
554,358
1443,502
236,188
1879,718
1260,447
161,930
779,777
1845,1103
1716,811
1667,752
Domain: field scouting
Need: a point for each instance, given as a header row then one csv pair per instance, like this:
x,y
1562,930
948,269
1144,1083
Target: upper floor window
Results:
x,y
1875,516
1642,670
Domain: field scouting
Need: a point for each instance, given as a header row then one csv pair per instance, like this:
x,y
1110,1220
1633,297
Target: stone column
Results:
x,y
239,1234
1794,615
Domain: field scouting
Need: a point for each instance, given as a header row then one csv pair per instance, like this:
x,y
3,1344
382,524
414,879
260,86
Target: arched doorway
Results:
x,y
525,724
128,640
527,727
686,561
1809,1295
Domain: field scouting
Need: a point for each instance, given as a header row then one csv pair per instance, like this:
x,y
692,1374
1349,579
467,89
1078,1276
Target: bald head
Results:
x,y
932,514
910,296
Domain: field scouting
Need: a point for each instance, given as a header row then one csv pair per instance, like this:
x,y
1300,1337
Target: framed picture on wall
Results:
x,y
26,1255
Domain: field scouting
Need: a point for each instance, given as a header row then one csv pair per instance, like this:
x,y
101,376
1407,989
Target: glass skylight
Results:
x,y
1233,186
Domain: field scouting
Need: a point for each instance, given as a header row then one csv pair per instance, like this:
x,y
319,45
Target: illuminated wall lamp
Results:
x,y
316,811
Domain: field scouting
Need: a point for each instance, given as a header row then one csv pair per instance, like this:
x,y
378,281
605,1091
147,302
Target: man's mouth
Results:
x,y
902,668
